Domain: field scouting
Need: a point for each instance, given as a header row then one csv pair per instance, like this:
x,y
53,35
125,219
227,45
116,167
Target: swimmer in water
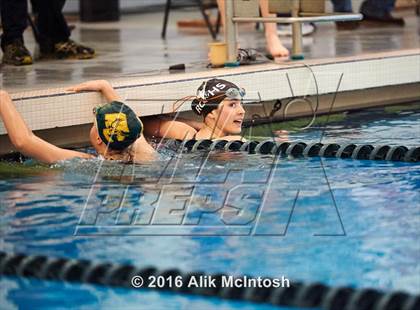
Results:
x,y
219,102
117,133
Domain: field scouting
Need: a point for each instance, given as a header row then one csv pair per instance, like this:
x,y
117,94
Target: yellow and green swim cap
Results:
x,y
118,125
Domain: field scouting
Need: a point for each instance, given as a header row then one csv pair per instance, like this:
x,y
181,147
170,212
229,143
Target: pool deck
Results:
x,y
364,66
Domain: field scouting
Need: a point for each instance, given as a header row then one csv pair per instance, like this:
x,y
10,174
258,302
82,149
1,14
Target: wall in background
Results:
x,y
73,5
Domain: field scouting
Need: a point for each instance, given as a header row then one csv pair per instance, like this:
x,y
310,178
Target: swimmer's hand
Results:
x,y
96,85
102,86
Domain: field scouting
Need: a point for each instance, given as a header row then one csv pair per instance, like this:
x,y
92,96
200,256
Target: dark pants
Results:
x,y
342,6
14,14
51,24
50,21
377,8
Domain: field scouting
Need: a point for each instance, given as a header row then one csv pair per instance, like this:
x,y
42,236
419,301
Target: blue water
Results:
x,y
354,223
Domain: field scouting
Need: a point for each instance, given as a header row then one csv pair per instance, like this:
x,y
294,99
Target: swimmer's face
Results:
x,y
230,114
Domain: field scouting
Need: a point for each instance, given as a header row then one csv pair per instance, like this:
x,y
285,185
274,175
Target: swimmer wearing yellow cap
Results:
x,y
117,132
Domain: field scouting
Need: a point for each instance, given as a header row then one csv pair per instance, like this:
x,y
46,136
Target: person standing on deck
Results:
x,y
54,34
372,10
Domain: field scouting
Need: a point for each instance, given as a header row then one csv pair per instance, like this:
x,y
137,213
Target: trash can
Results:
x,y
99,11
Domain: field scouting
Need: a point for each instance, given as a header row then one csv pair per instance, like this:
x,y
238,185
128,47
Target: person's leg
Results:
x,y
55,34
274,45
377,7
380,11
342,6
50,22
14,14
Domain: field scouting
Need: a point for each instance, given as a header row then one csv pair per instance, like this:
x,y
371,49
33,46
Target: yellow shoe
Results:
x,y
16,54
67,50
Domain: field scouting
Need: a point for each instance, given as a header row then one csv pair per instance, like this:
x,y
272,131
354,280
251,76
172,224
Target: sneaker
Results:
x,y
16,54
67,50
347,25
286,29
387,18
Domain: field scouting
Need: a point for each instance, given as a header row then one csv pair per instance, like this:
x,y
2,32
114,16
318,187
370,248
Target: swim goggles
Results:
x,y
231,93
235,93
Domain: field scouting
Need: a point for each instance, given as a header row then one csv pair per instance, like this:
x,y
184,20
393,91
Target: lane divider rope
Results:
x,y
298,294
302,149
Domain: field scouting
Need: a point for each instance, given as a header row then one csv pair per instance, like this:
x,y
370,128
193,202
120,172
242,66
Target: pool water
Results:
x,y
339,222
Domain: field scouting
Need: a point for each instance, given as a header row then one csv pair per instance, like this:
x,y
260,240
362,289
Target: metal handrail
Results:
x,y
291,20
295,20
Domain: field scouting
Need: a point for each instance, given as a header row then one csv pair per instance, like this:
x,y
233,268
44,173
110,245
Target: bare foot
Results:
x,y
275,48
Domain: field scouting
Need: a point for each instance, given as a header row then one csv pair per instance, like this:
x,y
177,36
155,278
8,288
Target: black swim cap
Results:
x,y
212,92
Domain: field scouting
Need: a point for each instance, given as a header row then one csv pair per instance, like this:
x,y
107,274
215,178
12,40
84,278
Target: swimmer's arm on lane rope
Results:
x,y
25,141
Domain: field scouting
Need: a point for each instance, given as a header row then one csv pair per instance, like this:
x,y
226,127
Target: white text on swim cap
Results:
x,y
200,107
216,88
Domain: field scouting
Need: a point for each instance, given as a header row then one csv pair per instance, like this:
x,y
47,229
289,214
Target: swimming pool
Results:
x,y
339,222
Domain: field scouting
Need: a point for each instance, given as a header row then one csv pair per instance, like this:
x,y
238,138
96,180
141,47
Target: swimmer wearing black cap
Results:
x,y
219,102
117,133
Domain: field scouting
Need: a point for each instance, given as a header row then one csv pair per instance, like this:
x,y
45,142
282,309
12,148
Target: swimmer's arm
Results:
x,y
166,128
25,141
194,124
102,86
